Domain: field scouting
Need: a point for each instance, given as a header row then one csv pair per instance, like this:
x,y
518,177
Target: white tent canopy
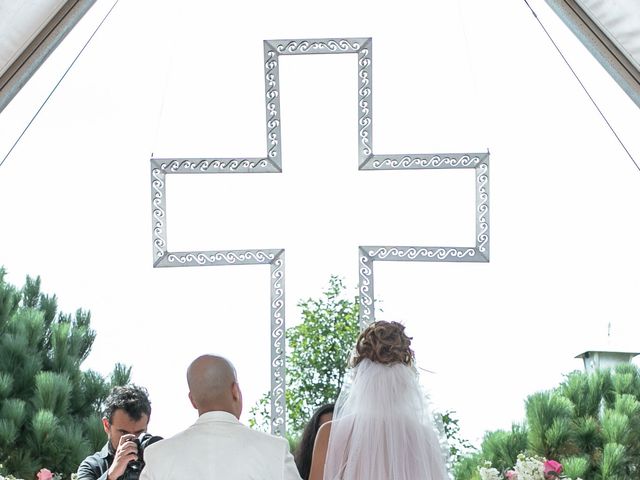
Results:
x,y
610,29
29,32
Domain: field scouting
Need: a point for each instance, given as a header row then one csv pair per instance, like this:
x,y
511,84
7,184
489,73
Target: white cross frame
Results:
x,y
272,163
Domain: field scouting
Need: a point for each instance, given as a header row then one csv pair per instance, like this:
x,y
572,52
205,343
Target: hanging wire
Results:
x,y
57,84
583,87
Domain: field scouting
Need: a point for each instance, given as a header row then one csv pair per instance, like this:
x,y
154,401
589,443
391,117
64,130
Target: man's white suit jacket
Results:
x,y
218,446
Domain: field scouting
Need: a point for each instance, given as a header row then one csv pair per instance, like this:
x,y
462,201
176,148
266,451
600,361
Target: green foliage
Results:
x,y
319,350
52,393
549,417
576,467
49,408
6,385
94,432
613,462
501,447
317,355
467,467
458,446
587,436
120,376
14,410
615,427
586,391
590,423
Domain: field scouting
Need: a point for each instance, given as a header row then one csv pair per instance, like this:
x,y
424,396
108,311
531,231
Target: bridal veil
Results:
x,y
382,429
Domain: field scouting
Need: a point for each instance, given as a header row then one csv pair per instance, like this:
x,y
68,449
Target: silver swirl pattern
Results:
x,y
277,347
158,213
364,102
365,290
272,97
425,161
417,253
482,209
317,46
222,257
213,165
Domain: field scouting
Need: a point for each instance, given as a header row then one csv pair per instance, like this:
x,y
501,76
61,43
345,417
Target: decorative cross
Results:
x,y
272,163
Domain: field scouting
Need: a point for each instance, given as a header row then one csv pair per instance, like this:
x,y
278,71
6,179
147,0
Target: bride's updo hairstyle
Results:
x,y
383,342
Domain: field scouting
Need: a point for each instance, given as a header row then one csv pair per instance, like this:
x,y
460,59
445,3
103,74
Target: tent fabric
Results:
x,y
619,20
20,23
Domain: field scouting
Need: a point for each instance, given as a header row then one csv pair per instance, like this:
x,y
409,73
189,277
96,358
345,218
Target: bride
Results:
x,y
381,428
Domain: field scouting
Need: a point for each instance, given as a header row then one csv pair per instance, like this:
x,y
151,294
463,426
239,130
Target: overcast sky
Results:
x,y
457,76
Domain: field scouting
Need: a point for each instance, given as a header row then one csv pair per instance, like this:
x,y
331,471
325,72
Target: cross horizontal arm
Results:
x,y
424,161
423,254
215,165
316,46
219,257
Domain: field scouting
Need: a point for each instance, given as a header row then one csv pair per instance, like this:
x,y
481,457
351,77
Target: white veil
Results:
x,y
381,428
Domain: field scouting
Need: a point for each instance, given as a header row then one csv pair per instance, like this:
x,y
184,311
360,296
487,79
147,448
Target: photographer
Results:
x,y
126,416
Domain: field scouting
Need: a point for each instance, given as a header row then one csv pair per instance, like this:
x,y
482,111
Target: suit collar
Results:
x,y
217,416
106,450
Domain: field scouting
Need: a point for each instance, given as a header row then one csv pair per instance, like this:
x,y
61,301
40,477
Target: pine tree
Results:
x,y
49,408
590,423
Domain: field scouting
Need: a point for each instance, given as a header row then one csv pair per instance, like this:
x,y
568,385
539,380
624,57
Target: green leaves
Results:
x,y
120,376
6,384
52,393
44,425
616,427
586,391
613,460
14,410
318,350
587,434
501,447
549,416
576,467
8,432
94,432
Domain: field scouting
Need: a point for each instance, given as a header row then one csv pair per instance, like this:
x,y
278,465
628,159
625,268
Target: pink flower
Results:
x,y
45,474
552,469
511,475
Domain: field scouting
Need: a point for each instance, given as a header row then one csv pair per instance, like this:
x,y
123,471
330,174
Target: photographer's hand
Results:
x,y
127,451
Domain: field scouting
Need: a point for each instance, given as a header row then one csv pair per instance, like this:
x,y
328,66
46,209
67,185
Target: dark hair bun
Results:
x,y
384,342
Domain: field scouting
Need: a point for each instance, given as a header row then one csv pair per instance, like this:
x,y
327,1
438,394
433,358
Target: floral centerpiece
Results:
x,y
526,468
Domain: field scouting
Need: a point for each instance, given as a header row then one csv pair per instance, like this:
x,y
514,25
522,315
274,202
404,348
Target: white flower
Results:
x,y
487,473
529,468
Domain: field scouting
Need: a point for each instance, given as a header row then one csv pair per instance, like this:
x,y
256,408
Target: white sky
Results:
x,y
447,76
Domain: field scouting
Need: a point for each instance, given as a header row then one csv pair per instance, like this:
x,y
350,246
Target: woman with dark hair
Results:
x,y
304,450
381,427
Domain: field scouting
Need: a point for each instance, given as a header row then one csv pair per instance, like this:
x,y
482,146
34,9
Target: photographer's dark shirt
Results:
x,y
96,466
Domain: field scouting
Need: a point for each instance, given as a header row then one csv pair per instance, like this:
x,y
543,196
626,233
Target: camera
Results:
x,y
134,468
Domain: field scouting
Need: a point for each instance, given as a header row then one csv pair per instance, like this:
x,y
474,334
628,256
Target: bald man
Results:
x,y
218,446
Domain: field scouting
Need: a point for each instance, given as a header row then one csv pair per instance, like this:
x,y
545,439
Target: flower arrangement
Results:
x,y
526,468
43,474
